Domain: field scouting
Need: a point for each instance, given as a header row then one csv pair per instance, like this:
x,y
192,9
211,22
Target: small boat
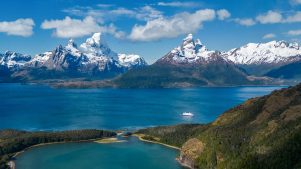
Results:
x,y
187,114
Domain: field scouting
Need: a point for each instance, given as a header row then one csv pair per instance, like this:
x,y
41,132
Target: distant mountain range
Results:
x,y
190,64
261,58
92,59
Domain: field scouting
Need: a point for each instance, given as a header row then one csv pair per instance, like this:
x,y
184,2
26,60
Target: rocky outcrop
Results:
x,y
190,151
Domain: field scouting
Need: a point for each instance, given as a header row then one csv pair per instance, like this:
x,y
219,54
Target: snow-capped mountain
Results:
x,y
94,47
131,60
92,58
190,64
260,58
190,51
265,53
13,60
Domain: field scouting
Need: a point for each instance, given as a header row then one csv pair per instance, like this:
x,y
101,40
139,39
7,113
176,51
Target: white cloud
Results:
x,y
276,17
245,21
269,17
296,2
73,28
148,13
296,17
105,5
104,14
269,36
174,26
294,32
223,14
179,4
20,27
122,11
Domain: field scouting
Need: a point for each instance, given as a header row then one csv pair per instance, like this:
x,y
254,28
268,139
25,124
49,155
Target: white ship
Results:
x,y
187,114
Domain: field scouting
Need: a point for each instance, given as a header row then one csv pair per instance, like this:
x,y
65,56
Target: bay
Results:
x,y
132,154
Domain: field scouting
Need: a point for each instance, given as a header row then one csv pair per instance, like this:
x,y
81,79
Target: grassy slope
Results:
x,y
262,133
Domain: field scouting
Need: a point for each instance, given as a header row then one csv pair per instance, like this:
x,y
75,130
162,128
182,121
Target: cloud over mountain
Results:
x,y
169,27
19,27
73,28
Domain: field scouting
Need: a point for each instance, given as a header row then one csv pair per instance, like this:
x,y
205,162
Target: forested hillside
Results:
x,y
262,133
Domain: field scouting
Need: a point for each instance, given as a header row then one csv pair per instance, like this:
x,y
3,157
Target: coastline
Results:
x,y
139,136
108,140
12,164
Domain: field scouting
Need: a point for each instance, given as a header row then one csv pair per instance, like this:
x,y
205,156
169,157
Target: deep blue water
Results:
x,y
132,154
34,107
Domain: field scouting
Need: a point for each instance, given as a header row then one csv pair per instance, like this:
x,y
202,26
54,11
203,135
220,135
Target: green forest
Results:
x,y
262,133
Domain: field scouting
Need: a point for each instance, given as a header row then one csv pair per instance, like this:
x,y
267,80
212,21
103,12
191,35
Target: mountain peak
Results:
x,y
95,40
96,37
188,38
190,51
270,52
71,43
95,47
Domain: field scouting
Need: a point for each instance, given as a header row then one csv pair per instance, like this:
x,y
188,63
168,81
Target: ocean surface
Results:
x,y
132,154
36,107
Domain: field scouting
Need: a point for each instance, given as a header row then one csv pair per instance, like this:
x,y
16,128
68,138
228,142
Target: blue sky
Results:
x,y
149,28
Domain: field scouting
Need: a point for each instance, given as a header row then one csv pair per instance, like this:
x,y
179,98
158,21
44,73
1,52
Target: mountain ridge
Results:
x,y
191,64
93,58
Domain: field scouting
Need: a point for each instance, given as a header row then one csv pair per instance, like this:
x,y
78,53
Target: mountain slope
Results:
x,y
189,65
259,58
289,71
262,133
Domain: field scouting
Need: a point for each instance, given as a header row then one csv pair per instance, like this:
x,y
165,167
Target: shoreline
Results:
x,y
109,141
12,165
183,164
139,136
53,85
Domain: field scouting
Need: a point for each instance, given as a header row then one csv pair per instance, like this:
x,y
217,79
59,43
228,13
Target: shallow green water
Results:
x,y
132,154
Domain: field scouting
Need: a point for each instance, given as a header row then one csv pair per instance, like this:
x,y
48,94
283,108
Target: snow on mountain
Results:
x,y
131,60
91,57
190,51
95,47
273,52
13,60
72,48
